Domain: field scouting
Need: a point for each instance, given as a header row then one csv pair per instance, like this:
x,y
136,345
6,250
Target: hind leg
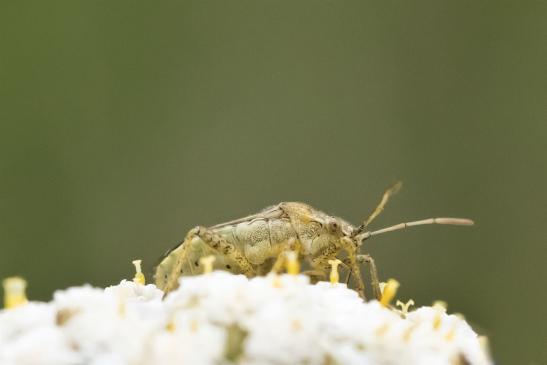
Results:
x,y
178,260
223,247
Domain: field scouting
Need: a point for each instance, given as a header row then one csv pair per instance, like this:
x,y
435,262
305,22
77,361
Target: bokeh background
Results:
x,y
124,124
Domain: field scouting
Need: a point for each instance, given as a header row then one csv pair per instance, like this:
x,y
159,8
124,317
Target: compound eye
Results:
x,y
333,226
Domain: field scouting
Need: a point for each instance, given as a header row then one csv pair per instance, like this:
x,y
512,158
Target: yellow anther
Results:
x,y
139,276
440,308
296,325
293,265
409,331
334,277
388,291
485,346
121,307
207,263
382,330
14,292
170,326
276,281
404,306
440,304
450,334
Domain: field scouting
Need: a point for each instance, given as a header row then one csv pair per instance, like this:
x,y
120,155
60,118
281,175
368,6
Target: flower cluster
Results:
x,y
220,318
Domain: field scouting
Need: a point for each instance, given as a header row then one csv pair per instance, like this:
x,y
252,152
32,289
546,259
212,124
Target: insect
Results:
x,y
256,244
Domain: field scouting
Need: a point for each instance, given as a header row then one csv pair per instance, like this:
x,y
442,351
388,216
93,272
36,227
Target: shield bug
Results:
x,y
254,245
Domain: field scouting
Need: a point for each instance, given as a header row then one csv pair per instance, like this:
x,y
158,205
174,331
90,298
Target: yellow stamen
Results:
x,y
441,304
293,265
121,307
382,330
404,306
408,333
170,327
440,307
334,276
207,263
450,334
276,281
388,291
296,325
485,346
139,276
14,292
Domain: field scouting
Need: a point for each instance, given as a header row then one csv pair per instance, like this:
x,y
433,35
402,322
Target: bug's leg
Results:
x,y
373,274
348,277
315,275
223,247
320,263
291,245
168,271
351,249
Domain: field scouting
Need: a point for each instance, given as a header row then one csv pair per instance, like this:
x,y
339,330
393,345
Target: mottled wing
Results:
x,y
272,212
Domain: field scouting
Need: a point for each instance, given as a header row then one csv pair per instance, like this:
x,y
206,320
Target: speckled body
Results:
x,y
261,238
254,245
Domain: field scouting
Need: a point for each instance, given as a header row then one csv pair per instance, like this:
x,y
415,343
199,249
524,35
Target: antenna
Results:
x,y
450,221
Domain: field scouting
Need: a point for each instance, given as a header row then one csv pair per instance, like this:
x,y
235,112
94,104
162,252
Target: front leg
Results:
x,y
351,249
320,262
367,259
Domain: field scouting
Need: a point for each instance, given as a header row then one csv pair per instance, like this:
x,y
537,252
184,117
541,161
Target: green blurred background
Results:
x,y
124,124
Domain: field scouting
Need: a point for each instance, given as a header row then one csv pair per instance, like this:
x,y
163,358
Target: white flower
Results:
x,y
220,318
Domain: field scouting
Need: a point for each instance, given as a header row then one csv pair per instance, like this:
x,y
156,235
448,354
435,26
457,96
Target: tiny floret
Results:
x,y
440,308
222,318
404,306
207,263
389,290
334,276
293,265
139,276
14,292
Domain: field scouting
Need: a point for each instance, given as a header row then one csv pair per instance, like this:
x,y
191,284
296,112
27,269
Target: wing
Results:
x,y
274,211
